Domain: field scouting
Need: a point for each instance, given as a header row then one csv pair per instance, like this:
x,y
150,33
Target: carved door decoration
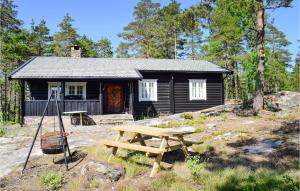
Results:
x,y
114,98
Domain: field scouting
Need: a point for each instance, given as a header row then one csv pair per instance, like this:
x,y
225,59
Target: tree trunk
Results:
x,y
258,101
5,99
9,101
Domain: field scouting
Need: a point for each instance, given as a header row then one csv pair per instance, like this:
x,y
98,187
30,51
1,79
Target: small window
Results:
x,y
197,89
71,90
148,90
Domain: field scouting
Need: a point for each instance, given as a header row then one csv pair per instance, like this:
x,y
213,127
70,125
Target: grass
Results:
x,y
203,148
134,164
241,178
171,124
187,116
199,120
52,181
169,181
2,132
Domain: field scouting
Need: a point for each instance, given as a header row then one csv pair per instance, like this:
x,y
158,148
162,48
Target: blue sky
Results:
x,y
99,18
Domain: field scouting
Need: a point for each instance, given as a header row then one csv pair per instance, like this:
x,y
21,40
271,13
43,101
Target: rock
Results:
x,y
284,100
282,114
244,112
211,125
266,146
101,172
248,122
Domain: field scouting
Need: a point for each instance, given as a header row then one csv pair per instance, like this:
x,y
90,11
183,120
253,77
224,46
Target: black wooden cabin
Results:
x,y
106,86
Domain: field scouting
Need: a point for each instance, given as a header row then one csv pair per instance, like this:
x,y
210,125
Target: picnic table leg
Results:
x,y
158,158
183,146
115,149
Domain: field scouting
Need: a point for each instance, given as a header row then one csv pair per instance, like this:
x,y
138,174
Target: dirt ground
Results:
x,y
228,141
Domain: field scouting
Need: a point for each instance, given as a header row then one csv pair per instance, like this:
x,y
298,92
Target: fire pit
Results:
x,y
52,143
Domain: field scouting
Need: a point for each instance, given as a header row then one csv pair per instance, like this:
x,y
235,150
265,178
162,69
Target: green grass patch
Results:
x,y
203,148
237,179
187,116
134,164
199,129
2,132
52,181
199,120
169,181
171,124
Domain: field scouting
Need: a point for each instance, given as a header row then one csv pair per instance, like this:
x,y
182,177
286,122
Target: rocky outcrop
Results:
x,y
284,100
101,172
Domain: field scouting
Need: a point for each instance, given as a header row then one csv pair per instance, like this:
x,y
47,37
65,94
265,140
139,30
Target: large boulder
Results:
x,y
284,100
101,172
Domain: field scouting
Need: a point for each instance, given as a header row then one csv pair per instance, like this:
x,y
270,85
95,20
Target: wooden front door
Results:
x,y
114,98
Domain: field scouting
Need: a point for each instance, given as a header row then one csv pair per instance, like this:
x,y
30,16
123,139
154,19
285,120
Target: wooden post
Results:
x,y
115,149
158,158
100,99
172,100
22,102
62,96
131,97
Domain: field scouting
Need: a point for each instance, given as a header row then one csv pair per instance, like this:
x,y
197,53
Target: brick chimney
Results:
x,y
75,51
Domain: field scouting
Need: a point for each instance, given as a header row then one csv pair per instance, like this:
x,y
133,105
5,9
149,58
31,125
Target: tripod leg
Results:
x,y
37,132
62,136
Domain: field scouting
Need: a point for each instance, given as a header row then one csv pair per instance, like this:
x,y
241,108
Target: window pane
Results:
x,y
71,90
80,91
151,90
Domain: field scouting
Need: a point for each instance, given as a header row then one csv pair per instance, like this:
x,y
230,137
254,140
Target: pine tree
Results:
x,y
104,48
88,47
171,30
65,38
141,34
260,49
40,39
277,59
122,51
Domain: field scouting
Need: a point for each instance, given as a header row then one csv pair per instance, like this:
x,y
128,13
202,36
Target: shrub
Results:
x,y
187,116
52,180
195,166
2,132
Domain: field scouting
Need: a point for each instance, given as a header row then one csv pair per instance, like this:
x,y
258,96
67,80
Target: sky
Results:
x,y
102,18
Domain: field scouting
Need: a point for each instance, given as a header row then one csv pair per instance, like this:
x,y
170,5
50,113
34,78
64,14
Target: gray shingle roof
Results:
x,y
67,67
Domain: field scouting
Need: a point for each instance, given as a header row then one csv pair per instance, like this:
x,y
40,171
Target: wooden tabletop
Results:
x,y
154,131
74,112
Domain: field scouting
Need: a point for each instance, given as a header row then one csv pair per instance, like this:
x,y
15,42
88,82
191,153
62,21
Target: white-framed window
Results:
x,y
148,90
197,89
76,89
71,88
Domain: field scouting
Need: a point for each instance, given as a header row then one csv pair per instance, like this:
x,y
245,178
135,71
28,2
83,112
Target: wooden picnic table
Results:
x,y
142,133
75,112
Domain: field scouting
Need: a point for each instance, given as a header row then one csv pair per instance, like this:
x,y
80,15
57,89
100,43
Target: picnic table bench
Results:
x,y
76,112
142,133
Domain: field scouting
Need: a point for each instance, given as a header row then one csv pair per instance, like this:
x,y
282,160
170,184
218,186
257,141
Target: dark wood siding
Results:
x,y
181,92
36,107
163,96
39,89
180,84
168,100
